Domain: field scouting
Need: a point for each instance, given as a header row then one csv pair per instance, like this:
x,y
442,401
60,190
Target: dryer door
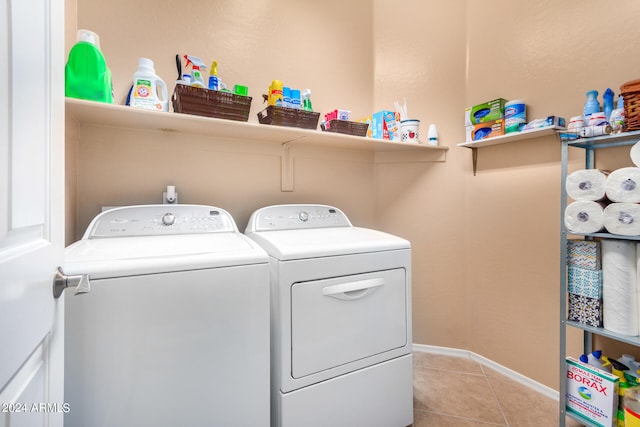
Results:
x,y
340,320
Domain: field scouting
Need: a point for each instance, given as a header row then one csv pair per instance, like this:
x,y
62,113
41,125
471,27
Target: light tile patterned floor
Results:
x,y
453,391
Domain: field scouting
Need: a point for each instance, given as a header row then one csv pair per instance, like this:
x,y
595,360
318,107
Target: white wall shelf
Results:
x,y
504,139
88,112
512,137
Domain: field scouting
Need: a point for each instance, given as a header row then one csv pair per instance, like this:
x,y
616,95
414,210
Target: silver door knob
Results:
x,y
62,281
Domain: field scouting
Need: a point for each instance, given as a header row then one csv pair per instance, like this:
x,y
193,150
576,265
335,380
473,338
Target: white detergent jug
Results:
x,y
149,90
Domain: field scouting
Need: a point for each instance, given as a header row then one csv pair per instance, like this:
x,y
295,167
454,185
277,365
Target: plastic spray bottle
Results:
x,y
214,82
86,73
607,103
196,75
149,90
618,116
306,100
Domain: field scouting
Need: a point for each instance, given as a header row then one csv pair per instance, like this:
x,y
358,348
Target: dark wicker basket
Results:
x,y
630,92
347,127
292,117
211,103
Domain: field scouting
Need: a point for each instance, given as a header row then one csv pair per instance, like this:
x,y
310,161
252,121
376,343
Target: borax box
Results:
x,y
592,394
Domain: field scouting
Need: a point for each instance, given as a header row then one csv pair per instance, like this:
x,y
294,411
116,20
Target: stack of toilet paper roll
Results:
x,y
587,187
604,200
622,216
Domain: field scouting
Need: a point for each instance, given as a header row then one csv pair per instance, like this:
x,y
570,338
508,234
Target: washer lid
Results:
x,y
123,256
160,238
321,242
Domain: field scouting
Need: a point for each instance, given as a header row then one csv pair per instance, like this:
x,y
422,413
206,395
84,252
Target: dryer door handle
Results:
x,y
353,290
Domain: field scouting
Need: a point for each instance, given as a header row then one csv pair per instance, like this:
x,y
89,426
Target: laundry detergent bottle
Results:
x,y
591,105
86,75
149,90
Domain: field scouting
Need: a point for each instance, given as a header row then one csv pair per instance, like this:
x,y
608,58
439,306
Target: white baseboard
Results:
x,y
525,381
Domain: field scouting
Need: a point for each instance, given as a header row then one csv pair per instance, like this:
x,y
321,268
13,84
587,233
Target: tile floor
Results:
x,y
483,397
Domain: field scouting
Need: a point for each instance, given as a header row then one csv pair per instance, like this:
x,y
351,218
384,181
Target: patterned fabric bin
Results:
x,y
587,283
584,254
585,310
584,282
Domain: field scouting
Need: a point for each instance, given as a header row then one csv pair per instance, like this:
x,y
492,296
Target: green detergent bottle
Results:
x,y
86,73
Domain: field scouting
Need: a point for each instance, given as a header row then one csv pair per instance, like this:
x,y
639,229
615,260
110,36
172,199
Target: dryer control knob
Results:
x,y
168,219
303,216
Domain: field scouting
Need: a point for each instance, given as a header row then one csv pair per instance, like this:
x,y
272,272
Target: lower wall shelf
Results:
x,y
503,139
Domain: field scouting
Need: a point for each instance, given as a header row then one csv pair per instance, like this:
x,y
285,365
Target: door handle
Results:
x,y
62,281
353,290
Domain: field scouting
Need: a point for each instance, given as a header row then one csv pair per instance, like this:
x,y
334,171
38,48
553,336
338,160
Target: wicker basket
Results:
x,y
630,91
211,103
347,127
292,117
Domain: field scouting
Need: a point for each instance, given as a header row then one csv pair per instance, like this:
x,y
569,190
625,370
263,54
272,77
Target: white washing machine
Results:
x,y
173,327
340,319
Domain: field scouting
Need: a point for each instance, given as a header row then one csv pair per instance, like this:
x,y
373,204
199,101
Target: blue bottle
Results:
x,y
286,97
591,105
607,101
295,99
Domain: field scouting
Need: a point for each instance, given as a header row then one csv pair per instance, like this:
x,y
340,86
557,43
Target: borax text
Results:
x,y
588,382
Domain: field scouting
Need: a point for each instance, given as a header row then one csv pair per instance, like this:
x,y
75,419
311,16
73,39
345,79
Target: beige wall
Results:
x,y
486,247
546,57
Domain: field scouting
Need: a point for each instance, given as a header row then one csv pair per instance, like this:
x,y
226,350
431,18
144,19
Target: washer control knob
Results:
x,y
303,216
168,219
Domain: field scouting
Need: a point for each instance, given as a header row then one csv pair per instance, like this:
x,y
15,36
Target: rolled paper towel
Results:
x,y
619,289
586,184
584,217
635,153
622,218
623,185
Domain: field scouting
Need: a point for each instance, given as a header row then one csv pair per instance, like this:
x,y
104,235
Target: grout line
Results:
x,y
452,371
495,396
458,417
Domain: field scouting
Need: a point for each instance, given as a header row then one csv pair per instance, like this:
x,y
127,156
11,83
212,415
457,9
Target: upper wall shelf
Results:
x,y
503,139
122,116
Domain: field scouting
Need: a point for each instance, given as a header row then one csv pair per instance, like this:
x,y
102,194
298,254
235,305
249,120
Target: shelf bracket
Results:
x,y
474,156
287,176
286,167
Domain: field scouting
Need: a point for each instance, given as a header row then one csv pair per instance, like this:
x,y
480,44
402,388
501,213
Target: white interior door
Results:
x,y
31,211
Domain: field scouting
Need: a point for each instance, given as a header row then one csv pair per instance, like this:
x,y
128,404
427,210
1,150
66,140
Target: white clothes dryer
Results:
x,y
173,327
340,319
